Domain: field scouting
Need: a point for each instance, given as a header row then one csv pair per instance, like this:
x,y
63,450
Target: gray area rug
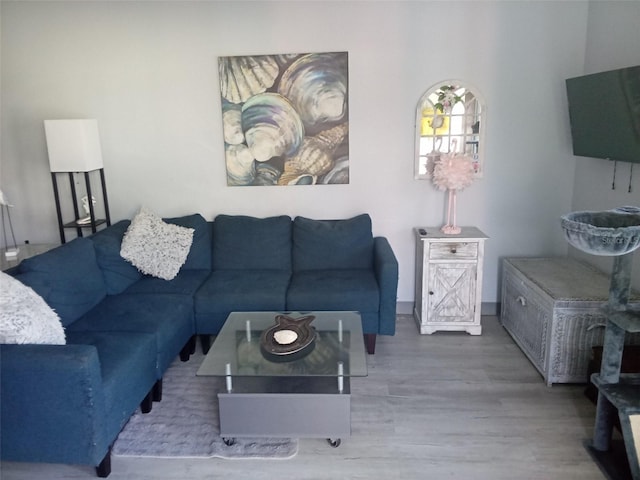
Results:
x,y
185,423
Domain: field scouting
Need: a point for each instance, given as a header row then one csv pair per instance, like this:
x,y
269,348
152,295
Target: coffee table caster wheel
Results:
x,y
334,443
228,441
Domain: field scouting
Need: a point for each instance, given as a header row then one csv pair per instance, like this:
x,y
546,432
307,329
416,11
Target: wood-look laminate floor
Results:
x,y
442,406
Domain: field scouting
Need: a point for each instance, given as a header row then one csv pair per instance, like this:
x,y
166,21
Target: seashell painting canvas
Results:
x,y
285,119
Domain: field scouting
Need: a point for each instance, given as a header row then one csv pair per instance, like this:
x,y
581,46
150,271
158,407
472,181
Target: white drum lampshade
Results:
x,y
73,145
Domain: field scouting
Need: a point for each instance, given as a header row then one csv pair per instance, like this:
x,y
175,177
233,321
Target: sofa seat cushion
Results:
x,y
118,273
68,278
128,368
187,282
227,291
332,244
248,243
169,317
333,290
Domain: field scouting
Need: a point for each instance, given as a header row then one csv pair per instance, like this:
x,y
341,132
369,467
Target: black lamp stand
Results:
x,y
94,222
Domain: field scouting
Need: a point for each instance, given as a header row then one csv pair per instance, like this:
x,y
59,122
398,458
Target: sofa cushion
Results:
x,y
68,278
168,317
333,290
238,290
155,247
118,273
187,282
241,242
332,244
25,317
199,257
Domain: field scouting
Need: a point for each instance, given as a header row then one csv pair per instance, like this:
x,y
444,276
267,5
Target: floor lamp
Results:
x,y
74,146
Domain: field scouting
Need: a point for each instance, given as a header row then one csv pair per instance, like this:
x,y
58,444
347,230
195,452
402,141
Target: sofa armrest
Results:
x,y
385,265
44,387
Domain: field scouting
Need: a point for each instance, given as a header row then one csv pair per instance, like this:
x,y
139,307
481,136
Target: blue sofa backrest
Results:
x,y
332,244
249,243
68,278
120,274
199,257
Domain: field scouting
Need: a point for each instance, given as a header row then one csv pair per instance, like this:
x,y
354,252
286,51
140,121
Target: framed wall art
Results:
x,y
286,119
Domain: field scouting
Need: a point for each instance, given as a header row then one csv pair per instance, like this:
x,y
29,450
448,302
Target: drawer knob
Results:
x,y
430,292
454,250
522,300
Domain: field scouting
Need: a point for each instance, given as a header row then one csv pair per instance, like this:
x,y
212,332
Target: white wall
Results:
x,y
613,41
148,72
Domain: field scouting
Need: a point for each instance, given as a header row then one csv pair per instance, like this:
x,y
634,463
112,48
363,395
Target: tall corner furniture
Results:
x,y
618,393
74,146
94,221
448,283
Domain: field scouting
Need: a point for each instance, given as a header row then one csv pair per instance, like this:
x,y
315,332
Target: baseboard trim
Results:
x,y
404,308
490,308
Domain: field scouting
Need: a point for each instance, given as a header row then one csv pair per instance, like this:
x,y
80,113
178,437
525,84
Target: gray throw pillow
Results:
x,y
25,317
155,247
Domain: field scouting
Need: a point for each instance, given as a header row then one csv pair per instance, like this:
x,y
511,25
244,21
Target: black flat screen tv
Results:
x,y
604,112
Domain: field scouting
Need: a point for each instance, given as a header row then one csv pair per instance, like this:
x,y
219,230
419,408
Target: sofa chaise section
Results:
x,y
118,347
67,403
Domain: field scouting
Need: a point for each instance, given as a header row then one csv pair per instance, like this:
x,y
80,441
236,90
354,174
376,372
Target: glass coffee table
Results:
x,y
284,384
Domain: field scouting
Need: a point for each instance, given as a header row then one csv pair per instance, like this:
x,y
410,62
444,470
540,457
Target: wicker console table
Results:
x,y
552,309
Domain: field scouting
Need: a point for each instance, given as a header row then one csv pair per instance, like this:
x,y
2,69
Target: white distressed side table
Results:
x,y
448,291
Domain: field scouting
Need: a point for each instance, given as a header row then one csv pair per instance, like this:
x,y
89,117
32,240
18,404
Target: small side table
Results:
x,y
449,280
26,251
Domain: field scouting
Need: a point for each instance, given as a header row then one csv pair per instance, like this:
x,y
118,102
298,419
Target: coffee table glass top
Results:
x,y
338,348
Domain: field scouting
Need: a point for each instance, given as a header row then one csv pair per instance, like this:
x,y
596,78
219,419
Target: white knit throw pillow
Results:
x,y
25,317
155,247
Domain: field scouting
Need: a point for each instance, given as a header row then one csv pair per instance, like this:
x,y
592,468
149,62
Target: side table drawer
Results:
x,y
453,251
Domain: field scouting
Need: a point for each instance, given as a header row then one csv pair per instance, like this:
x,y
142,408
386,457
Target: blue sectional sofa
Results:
x,y
68,403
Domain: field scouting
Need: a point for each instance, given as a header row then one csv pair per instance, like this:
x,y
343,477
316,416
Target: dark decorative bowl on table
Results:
x,y
289,339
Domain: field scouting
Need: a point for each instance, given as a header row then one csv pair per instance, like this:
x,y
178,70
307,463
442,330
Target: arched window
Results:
x,y
449,120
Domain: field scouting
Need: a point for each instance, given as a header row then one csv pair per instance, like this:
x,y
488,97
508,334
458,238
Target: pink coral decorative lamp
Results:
x,y
453,172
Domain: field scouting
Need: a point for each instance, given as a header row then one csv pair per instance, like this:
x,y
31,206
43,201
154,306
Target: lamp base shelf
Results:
x,y
77,224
